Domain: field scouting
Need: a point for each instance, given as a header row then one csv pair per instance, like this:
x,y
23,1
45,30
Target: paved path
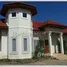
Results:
x,y
49,62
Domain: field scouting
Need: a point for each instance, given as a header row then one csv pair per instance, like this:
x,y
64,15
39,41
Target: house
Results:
x,y
19,34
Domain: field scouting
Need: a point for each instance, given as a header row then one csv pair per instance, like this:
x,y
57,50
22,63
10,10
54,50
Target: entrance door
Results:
x,y
46,46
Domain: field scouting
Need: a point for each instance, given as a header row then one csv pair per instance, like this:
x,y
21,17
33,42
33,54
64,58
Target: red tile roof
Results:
x,y
55,24
12,5
36,25
3,24
64,30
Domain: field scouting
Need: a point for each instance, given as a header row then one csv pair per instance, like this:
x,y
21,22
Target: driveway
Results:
x,y
49,62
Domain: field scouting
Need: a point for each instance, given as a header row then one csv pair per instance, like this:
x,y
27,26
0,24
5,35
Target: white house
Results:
x,y
19,34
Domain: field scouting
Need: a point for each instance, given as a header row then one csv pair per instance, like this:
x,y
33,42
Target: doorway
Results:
x,y
59,46
46,46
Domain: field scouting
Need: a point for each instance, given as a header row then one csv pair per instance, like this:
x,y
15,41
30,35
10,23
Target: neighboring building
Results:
x,y
19,35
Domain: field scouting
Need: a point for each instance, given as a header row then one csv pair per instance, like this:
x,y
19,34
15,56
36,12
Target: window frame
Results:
x,y
27,51
15,45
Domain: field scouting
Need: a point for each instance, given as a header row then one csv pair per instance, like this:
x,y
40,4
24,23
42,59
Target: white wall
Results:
x,y
19,20
3,52
20,27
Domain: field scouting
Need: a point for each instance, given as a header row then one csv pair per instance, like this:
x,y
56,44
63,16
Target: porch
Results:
x,y
53,42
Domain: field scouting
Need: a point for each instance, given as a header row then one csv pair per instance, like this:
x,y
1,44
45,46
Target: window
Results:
x,y
14,14
25,44
14,44
24,14
35,43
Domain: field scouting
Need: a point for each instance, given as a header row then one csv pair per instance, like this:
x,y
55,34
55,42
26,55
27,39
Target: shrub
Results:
x,y
39,49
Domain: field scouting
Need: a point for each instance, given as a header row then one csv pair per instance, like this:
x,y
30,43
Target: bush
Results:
x,y
39,49
5,60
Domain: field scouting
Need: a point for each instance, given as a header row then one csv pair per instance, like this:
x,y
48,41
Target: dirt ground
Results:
x,y
49,62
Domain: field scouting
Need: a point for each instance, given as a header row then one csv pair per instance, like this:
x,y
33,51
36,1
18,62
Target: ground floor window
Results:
x,y
25,44
46,46
35,43
14,44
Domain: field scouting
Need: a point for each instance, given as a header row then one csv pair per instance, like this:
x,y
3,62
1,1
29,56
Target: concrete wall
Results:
x,y
20,27
19,20
3,52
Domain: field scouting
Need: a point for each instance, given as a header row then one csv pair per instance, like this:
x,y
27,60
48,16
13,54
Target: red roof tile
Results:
x,y
12,5
64,30
3,24
50,23
36,25
53,23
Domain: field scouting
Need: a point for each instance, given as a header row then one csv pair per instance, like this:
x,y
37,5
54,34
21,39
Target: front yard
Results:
x,y
40,61
24,61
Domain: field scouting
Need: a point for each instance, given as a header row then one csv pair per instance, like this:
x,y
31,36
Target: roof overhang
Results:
x,y
53,26
3,25
14,5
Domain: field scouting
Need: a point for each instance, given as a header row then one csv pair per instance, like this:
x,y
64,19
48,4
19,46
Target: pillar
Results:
x,y
61,42
50,42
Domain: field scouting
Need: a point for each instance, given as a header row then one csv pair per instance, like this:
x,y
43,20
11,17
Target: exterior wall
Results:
x,y
20,54
19,20
20,27
3,52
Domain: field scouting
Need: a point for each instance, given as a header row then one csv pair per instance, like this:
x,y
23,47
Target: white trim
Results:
x,y
21,27
35,38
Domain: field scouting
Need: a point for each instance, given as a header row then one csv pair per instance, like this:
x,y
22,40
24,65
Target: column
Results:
x,y
50,42
61,42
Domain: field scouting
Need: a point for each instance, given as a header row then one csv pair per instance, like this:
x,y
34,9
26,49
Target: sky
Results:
x,y
56,11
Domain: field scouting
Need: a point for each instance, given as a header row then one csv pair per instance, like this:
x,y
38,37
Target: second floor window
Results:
x,y
14,14
25,15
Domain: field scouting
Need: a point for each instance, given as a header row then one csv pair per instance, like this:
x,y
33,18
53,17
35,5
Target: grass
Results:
x,y
17,61
23,61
